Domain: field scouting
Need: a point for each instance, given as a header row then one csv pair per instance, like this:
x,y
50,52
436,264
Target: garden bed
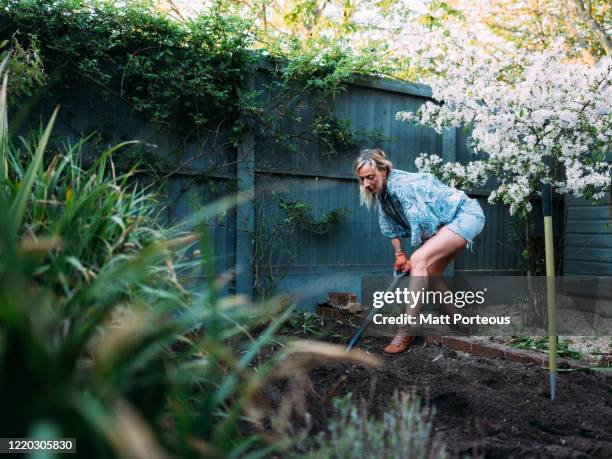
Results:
x,y
596,350
484,407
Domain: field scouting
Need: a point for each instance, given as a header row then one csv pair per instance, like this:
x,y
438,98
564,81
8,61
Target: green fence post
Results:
x,y
245,213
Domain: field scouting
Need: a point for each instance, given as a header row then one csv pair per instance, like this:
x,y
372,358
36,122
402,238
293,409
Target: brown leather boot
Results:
x,y
398,344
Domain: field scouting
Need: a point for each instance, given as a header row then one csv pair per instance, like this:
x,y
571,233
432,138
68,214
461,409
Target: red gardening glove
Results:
x,y
402,264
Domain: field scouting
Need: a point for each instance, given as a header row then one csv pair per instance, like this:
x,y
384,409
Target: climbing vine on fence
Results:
x,y
316,71
24,65
275,250
190,77
181,75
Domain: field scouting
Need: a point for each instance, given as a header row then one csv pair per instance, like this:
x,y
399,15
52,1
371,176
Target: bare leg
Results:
x,y
436,282
431,258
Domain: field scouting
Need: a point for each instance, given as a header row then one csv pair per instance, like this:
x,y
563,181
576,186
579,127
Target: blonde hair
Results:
x,y
376,158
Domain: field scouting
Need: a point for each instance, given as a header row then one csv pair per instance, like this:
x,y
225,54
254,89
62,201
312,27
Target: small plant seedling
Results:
x,y
540,344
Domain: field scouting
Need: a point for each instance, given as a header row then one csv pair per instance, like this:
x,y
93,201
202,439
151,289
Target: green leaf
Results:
x,y
18,206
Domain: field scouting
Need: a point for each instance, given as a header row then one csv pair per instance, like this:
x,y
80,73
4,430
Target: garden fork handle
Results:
x,y
397,277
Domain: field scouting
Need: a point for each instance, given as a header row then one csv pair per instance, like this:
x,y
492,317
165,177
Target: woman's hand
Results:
x,y
402,263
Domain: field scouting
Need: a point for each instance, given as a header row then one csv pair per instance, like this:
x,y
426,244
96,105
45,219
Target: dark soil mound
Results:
x,y
488,408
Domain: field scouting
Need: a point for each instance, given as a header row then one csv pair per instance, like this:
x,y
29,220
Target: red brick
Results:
x,y
515,355
341,298
487,350
458,344
478,348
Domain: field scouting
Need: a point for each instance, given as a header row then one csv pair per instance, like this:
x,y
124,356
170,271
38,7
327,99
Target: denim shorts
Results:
x,y
469,221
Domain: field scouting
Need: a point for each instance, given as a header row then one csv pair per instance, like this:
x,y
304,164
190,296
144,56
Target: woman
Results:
x,y
439,220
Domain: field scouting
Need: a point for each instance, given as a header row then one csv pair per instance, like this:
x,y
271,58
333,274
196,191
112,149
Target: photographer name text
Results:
x,y
432,319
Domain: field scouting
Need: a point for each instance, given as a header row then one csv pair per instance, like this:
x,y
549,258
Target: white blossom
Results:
x,y
525,111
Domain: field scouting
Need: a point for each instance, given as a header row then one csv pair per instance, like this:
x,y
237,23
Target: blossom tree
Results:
x,y
534,25
534,117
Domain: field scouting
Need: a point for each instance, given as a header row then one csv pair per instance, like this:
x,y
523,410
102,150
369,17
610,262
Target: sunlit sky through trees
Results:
x,y
388,27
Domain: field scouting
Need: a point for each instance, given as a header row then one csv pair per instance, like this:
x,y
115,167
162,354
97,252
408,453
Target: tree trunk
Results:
x,y
533,316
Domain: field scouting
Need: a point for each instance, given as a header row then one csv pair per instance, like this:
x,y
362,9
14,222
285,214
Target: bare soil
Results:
x,y
484,408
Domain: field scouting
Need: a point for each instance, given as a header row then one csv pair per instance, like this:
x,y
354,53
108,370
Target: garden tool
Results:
x,y
397,277
550,287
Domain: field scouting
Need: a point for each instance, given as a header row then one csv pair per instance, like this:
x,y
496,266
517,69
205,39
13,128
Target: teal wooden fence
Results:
x,y
303,262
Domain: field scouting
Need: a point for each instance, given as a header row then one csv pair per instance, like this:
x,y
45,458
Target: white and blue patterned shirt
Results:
x,y
415,204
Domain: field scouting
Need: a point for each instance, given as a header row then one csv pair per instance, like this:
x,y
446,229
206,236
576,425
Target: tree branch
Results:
x,y
593,25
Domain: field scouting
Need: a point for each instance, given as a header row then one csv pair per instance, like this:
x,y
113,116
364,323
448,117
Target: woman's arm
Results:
x,y
394,231
390,228
397,245
402,263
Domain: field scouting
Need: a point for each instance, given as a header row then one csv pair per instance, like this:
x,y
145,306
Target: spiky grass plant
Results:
x,y
104,216
88,322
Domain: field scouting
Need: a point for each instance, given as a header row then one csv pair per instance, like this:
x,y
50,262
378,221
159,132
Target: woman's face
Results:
x,y
372,179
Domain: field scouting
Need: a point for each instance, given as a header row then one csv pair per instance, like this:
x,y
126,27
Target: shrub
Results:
x,y
181,75
404,431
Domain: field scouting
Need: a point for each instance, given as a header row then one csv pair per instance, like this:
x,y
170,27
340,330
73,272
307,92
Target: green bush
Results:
x,y
181,75
25,66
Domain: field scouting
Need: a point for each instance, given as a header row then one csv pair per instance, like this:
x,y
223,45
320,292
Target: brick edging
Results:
x,y
476,347
481,348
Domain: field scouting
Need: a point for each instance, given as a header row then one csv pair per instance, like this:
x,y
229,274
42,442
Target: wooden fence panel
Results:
x,y
207,168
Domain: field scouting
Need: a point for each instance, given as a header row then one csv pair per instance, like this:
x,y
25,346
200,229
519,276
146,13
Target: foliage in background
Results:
x,y
25,65
275,248
540,344
188,75
502,26
405,430
298,214
325,66
363,25
534,25
182,75
298,104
